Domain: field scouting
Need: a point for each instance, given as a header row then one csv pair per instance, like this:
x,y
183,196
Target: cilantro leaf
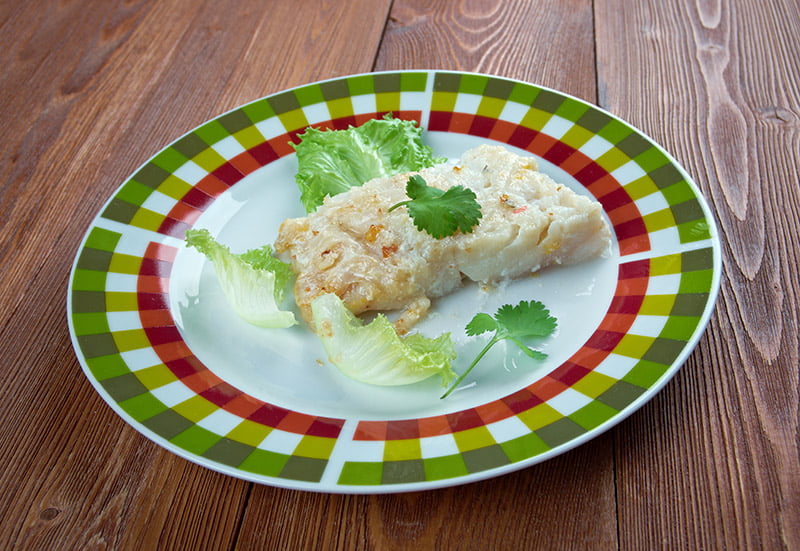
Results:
x,y
525,320
438,212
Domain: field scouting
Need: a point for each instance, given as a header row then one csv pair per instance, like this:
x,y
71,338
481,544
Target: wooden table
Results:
x,y
91,90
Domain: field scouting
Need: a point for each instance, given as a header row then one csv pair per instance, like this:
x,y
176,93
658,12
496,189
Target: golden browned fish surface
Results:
x,y
378,260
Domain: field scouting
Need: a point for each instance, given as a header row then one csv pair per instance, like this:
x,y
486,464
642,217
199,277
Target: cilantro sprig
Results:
x,y
440,213
525,320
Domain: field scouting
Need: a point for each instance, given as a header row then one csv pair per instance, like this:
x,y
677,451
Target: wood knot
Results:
x,y
50,513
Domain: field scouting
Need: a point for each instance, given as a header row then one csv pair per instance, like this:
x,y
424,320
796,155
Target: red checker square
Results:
x,y
184,213
502,131
521,400
371,430
184,367
228,174
624,213
221,394
269,415
434,426
546,388
246,163
588,357
402,429
541,144
461,122
615,199
633,245
361,118
158,251
482,126
521,136
297,423
590,173
626,304
604,340
152,284
161,335
282,145
635,270
263,154
617,322
243,405
201,381
343,123
197,198
493,412
325,427
155,267
604,185
631,228
152,301
156,318
632,286
211,185
439,120
173,228
558,153
575,163
464,420
569,373
409,115
172,351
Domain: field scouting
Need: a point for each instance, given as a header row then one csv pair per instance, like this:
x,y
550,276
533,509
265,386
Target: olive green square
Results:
x,y
151,175
448,466
119,211
167,424
170,159
560,432
698,259
621,394
156,376
318,447
228,452
123,387
687,211
446,82
689,304
593,415
483,459
634,145
101,344
361,473
190,145
264,462
143,406
383,83
593,120
666,175
524,447
498,88
106,367
307,469
134,192
249,432
548,101
335,89
285,102
235,121
94,259
195,439
259,110
403,472
88,301
90,323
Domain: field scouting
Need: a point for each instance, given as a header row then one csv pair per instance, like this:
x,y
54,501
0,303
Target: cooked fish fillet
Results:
x,y
378,260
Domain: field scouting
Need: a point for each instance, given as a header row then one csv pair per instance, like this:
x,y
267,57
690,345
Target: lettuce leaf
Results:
x,y
374,353
253,282
333,161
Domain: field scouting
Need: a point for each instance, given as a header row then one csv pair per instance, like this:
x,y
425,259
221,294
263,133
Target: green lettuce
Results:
x,y
374,353
333,161
253,282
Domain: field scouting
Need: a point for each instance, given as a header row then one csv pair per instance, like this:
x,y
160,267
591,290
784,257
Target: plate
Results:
x,y
156,339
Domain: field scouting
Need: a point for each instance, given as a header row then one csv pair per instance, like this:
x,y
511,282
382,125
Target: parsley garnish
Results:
x,y
526,319
440,213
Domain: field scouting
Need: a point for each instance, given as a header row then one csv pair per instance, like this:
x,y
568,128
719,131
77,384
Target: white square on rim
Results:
x,y
220,422
467,103
508,429
627,173
616,366
190,172
229,147
172,394
569,401
595,147
438,446
280,441
141,358
557,126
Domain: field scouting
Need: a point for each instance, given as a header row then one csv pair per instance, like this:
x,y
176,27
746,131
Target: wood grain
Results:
x,y
711,81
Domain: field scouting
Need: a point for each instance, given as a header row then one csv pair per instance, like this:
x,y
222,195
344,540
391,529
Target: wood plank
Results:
x,y
713,83
118,82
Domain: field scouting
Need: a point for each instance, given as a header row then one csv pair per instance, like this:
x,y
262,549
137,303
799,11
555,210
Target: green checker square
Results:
x,y
572,110
167,424
133,192
264,462
499,88
123,387
235,121
666,175
94,346
657,305
446,82
195,439
89,280
211,132
309,95
294,120
365,84
696,282
678,193
413,82
387,101
307,469
680,327
688,211
443,101
643,375
548,101
593,120
190,145
249,137
689,304
400,450
666,265
156,376
535,119
641,187
615,131
698,259
106,367
386,82
147,219
490,107
621,395
125,264
131,339
120,211
634,145
473,84
696,230
90,323
209,160
400,472
151,175
361,473
318,447
102,239
88,301
523,93
117,301
228,452
174,187
143,406
483,459
523,447
539,416
335,89
258,110
650,160
593,415
440,468
284,102
576,136
170,159
593,384
560,432
340,108
659,220
612,160
470,439
93,259
195,408
633,346
249,432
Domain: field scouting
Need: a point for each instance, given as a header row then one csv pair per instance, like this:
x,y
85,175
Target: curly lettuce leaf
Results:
x,y
253,282
374,353
333,161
